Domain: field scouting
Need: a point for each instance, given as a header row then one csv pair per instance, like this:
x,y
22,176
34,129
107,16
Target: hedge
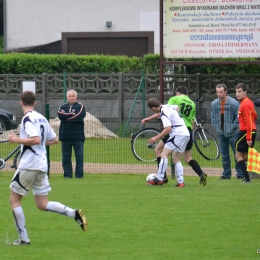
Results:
x,y
22,63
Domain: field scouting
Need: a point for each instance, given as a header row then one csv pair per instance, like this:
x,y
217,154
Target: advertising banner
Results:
x,y
212,29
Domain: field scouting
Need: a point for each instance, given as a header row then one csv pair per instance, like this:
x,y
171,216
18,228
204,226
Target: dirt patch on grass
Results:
x,y
56,167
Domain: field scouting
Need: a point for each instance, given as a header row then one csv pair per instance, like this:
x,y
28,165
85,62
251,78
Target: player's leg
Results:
x,y
157,150
187,156
241,163
178,168
241,153
193,163
20,186
53,206
177,144
195,166
66,147
41,188
163,163
19,219
232,142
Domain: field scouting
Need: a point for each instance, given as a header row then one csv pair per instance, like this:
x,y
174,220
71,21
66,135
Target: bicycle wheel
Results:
x,y
140,147
16,160
206,144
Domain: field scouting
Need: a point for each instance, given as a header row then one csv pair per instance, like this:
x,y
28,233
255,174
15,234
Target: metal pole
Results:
x,y
133,106
47,115
161,53
5,30
161,74
143,93
64,87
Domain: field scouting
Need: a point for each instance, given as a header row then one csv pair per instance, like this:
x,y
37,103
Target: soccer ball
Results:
x,y
150,178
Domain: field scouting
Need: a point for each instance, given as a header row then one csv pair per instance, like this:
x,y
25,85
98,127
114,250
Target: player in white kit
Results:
x,y
35,134
175,126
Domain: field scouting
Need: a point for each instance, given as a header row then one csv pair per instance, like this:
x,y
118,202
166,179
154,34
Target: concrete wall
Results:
x,y
32,23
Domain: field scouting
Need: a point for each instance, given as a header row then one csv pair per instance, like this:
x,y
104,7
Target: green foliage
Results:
x,y
22,63
222,68
152,63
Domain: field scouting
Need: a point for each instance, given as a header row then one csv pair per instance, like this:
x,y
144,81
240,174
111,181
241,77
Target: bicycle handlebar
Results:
x,y
199,100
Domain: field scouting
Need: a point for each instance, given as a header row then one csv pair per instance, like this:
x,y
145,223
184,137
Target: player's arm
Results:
x,y
147,119
248,118
34,140
53,141
164,132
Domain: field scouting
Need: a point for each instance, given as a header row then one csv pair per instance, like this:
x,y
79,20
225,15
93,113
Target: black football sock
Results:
x,y
242,165
195,166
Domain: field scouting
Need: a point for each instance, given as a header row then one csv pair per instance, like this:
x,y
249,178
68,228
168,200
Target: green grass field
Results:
x,y
116,151
131,220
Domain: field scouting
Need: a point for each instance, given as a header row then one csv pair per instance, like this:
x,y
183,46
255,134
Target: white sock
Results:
x,y
162,168
19,221
179,172
57,207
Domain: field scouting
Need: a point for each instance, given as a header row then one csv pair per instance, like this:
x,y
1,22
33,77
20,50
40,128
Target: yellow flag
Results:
x,y
253,160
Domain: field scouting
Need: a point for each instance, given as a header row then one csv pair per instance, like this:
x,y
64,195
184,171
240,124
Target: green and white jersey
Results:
x,y
187,108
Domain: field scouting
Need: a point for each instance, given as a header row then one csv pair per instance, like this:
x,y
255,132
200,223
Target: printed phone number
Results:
x,y
220,37
218,30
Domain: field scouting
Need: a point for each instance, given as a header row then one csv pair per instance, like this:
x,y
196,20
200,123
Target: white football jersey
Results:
x,y
171,117
34,157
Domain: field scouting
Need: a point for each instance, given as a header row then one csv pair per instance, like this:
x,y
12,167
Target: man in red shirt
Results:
x,y
247,128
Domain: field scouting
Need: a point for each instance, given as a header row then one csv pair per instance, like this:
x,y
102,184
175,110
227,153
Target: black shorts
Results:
x,y
189,144
241,144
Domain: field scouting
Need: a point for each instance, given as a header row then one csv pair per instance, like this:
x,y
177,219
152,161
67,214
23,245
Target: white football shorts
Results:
x,y
177,143
24,180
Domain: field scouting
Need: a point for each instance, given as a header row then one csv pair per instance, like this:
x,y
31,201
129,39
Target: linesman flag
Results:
x,y
253,160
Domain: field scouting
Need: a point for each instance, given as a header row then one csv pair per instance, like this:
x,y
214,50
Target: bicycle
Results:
x,y
141,149
204,141
16,152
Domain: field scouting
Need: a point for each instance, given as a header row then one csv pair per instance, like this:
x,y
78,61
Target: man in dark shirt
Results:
x,y
71,134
